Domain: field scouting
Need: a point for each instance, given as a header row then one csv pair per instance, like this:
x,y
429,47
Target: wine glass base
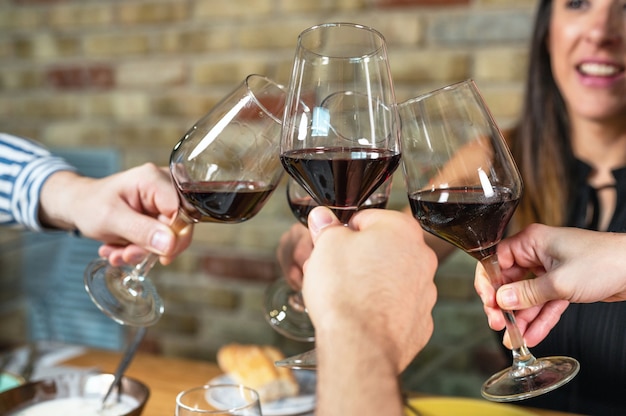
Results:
x,y
553,373
134,303
286,317
304,361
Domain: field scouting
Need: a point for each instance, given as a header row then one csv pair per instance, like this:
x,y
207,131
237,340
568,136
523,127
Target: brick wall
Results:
x,y
134,75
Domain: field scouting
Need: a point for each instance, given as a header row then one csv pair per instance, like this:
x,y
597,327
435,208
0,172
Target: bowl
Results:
x,y
9,381
74,393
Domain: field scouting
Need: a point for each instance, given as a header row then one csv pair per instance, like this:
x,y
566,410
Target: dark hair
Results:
x,y
541,141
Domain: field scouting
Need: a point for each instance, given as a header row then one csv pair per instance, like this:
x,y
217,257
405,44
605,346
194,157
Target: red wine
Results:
x,y
341,178
465,217
300,207
226,202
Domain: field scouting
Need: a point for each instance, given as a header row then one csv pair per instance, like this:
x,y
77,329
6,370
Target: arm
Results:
x,y
570,265
25,166
369,290
126,211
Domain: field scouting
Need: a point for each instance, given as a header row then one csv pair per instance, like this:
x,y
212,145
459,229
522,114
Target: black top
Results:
x,y
594,334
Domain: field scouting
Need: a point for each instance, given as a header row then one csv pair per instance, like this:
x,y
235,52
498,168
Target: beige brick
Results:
x,y
128,105
504,102
218,9
78,133
152,12
51,106
151,73
195,40
65,16
399,29
116,44
6,48
21,18
320,6
229,73
190,105
429,65
271,35
46,46
120,105
500,64
508,3
20,79
157,134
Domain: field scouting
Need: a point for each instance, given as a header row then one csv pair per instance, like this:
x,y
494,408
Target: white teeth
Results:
x,y
597,69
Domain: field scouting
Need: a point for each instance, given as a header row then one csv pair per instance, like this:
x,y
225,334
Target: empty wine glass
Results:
x,y
218,399
224,168
284,306
463,187
340,137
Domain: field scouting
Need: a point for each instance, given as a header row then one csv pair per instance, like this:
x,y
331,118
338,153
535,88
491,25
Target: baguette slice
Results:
x,y
253,366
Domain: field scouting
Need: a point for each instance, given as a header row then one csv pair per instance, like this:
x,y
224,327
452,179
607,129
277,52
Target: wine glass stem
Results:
x,y
524,362
180,224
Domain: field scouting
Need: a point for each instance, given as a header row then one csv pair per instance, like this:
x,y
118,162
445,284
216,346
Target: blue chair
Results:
x,y
59,308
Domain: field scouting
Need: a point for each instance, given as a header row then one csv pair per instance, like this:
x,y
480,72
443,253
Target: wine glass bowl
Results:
x,y
463,186
224,168
340,137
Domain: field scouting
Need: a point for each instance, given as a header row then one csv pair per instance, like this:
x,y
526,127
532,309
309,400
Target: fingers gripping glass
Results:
x,y
463,187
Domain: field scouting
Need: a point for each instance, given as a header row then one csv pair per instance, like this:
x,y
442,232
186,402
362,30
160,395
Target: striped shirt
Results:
x,y
24,167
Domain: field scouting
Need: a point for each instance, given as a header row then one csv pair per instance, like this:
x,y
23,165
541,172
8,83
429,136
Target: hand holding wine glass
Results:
x,y
340,137
224,168
463,187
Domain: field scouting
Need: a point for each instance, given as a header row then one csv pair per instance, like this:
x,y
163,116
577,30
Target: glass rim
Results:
x,y
381,44
422,97
205,387
256,99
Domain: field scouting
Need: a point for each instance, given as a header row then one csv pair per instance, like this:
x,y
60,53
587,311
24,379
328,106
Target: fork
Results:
x,y
123,365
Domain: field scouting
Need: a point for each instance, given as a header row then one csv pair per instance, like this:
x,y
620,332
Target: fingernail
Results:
x,y
319,219
161,241
508,297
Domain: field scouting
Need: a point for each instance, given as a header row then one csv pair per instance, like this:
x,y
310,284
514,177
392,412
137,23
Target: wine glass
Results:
x,y
463,186
340,137
224,168
218,399
284,306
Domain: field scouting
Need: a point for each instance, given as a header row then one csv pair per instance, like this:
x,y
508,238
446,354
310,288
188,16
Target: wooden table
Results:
x,y
167,376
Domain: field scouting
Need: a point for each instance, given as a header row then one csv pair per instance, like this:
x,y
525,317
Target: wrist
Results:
x,y
358,338
58,199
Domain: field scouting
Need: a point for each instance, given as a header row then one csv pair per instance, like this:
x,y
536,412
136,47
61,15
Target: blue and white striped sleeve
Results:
x,y
24,167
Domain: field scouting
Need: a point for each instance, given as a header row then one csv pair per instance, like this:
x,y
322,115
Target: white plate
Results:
x,y
302,403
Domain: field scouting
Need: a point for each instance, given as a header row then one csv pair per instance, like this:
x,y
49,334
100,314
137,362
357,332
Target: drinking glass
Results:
x,y
218,399
340,137
463,186
284,306
224,168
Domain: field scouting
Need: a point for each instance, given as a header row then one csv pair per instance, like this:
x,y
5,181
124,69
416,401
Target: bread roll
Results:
x,y
253,366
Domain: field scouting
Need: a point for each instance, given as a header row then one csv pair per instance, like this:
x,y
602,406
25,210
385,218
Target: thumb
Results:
x,y
524,294
320,218
147,232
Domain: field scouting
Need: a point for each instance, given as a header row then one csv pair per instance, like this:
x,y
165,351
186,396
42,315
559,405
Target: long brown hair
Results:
x,y
541,141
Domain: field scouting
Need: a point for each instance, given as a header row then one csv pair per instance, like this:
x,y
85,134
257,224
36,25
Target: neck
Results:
x,y
601,144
